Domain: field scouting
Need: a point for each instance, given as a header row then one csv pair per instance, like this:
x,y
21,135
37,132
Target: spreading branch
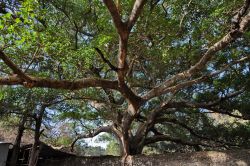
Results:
x,y
184,14
135,13
203,78
201,64
209,104
157,138
242,11
61,84
14,67
106,129
112,67
192,131
123,32
115,16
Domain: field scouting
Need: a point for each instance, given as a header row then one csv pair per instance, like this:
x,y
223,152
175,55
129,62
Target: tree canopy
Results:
x,y
144,71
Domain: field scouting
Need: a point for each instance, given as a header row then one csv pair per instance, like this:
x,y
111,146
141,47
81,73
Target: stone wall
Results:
x,y
211,158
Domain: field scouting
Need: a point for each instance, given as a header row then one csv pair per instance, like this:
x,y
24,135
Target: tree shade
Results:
x,y
144,71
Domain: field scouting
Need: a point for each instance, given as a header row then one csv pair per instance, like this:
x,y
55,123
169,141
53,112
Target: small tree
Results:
x,y
29,108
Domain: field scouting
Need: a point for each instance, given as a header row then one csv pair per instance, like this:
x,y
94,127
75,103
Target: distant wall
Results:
x,y
4,149
211,158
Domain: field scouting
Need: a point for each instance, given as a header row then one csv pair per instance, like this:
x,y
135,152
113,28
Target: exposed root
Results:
x,y
127,160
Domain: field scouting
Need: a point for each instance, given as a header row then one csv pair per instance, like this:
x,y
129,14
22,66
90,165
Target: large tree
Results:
x,y
152,70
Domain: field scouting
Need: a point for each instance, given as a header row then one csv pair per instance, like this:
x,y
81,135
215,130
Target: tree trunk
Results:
x,y
16,146
125,147
130,147
35,148
135,149
34,154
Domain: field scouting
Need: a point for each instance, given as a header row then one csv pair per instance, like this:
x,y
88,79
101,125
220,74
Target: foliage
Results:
x,y
159,83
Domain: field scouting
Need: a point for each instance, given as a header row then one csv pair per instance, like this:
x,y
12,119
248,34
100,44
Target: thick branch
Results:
x,y
226,112
201,64
192,131
14,68
157,138
183,125
137,8
107,129
237,18
203,78
61,84
212,105
115,16
151,119
123,45
203,104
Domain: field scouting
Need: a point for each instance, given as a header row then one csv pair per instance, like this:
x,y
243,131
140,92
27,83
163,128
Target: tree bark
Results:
x,y
35,148
16,146
34,153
